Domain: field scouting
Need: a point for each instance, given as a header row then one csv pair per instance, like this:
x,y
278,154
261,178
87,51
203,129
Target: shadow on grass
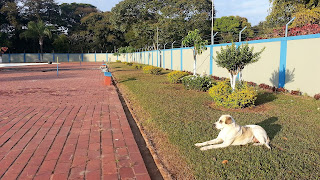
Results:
x,y
129,79
264,97
165,72
271,128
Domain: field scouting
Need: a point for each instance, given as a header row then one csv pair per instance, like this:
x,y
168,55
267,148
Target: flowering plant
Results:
x,y
3,49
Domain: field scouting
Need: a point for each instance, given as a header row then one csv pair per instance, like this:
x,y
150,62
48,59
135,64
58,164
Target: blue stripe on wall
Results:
x,y
283,63
164,59
157,58
171,59
211,59
181,59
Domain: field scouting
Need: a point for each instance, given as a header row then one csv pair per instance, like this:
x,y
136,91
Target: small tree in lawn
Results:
x,y
194,38
234,59
127,49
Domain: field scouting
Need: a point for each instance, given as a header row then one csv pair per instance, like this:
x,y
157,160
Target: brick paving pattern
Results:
x,y
66,127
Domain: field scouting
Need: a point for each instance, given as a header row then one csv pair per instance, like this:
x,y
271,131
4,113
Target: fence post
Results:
x,y
95,56
81,57
241,32
9,57
286,35
68,55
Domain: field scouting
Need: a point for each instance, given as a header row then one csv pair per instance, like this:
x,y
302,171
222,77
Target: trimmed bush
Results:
x,y
130,64
118,61
152,70
243,95
199,83
176,76
317,96
138,66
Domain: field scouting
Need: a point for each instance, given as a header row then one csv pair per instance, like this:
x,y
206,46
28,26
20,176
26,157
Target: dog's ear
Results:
x,y
228,120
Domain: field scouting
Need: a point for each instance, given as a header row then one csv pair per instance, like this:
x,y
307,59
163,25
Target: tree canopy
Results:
x,y
81,27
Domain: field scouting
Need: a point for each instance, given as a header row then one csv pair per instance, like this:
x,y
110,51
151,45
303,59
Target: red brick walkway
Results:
x,y
66,127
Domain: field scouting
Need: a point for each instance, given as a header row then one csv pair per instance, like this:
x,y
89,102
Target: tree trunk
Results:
x,y
233,77
41,50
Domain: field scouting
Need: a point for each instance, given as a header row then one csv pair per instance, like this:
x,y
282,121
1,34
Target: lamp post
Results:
x,y
212,23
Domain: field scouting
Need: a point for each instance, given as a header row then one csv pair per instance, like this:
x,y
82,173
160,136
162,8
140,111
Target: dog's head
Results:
x,y
224,121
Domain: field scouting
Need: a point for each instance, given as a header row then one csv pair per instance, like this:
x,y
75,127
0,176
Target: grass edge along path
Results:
x,y
184,118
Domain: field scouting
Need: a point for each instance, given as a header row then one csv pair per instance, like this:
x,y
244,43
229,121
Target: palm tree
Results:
x,y
37,30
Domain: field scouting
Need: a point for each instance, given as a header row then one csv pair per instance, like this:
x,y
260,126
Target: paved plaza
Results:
x,y
69,126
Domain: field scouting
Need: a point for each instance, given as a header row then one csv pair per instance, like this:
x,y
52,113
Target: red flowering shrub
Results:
x,y
296,31
298,93
252,83
3,49
215,77
281,90
317,96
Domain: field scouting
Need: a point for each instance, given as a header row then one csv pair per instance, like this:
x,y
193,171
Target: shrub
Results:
x,y
243,95
252,84
138,66
297,93
118,61
130,64
281,90
152,70
317,96
199,83
176,76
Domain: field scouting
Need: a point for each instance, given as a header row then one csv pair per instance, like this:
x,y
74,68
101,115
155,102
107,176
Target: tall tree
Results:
x,y
71,15
35,10
229,28
37,30
282,11
101,32
139,19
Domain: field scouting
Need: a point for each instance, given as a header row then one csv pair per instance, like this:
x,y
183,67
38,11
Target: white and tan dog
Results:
x,y
234,134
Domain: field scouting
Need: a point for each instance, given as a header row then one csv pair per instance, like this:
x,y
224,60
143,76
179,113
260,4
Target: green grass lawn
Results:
x,y
183,118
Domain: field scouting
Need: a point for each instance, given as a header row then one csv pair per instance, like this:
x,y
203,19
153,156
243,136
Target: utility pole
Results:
x,y
157,37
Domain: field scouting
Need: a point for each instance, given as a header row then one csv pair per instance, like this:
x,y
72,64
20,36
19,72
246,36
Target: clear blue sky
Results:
x,y
254,10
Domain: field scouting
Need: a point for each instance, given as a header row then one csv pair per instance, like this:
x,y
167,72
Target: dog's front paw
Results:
x,y
203,148
198,144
